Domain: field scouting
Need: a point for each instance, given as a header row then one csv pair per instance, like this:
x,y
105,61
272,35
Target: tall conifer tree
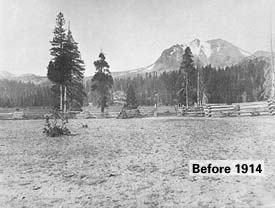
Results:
x,y
102,82
66,68
190,72
131,100
75,87
58,71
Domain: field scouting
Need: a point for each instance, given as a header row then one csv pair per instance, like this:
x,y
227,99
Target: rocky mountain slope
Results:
x,y
217,52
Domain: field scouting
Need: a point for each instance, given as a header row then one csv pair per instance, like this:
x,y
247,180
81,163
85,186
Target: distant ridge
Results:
x,y
35,79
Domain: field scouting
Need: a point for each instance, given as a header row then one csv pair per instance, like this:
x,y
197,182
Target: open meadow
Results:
x,y
135,163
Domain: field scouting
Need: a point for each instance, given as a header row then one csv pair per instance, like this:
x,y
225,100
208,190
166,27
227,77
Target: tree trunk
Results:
x,y
186,90
61,100
102,105
65,99
198,88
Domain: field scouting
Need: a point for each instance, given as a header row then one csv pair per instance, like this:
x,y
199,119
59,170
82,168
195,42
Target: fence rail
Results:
x,y
191,111
240,109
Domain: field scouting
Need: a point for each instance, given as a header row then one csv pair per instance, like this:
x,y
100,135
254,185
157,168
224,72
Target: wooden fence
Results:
x,y
191,111
145,111
6,116
209,110
220,110
239,109
166,111
10,116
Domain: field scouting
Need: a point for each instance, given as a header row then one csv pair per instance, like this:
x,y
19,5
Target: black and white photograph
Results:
x,y
137,104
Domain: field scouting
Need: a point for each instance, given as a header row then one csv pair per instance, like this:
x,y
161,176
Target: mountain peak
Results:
x,y
195,42
219,40
217,52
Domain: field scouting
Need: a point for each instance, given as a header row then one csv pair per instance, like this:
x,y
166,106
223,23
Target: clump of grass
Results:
x,y
57,127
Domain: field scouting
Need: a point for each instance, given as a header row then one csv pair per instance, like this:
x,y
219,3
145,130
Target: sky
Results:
x,y
131,33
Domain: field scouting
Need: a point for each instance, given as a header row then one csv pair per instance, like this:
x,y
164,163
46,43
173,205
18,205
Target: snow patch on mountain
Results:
x,y
245,53
150,67
206,47
199,47
218,48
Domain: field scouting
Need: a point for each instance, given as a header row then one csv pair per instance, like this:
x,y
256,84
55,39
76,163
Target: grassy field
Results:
x,y
135,163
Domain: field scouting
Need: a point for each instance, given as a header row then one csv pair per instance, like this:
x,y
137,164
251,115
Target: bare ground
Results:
x,y
135,163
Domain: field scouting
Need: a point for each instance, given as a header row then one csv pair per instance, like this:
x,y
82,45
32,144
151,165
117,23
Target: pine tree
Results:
x,y
102,82
131,100
58,69
187,66
179,85
75,87
66,67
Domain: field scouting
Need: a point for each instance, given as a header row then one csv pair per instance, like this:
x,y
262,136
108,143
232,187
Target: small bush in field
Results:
x,y
55,129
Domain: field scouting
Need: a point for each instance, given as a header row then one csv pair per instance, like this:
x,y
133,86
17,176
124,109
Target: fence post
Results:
x,y
209,110
204,107
271,107
237,108
186,110
156,110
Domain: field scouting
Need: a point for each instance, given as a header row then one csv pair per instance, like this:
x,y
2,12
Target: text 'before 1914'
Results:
x,y
226,167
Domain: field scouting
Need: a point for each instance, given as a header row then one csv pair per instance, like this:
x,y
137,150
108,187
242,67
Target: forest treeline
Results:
x,y
20,94
240,83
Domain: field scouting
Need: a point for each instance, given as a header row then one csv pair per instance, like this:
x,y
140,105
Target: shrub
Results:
x,y
55,128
